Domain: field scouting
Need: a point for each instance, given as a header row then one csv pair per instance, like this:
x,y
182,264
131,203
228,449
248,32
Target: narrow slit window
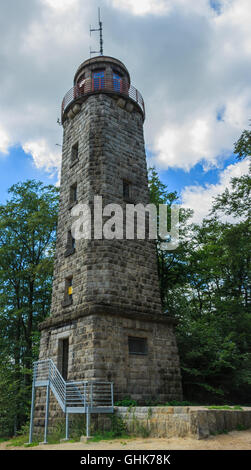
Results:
x,y
137,345
70,241
73,193
68,289
126,189
74,152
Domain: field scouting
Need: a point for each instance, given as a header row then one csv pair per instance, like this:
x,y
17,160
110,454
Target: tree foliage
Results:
x,y
206,285
27,239
242,148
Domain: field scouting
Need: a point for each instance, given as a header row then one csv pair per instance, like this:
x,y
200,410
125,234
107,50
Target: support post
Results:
x,y
32,410
87,422
66,426
85,394
112,395
47,412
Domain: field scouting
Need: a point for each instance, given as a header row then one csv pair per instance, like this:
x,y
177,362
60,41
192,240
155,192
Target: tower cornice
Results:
x,y
116,311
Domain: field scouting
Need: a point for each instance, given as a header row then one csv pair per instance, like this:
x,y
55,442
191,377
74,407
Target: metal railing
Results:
x,y
73,396
92,85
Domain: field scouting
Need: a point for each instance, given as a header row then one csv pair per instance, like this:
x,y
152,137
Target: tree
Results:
x,y
214,334
171,267
27,241
242,148
214,331
205,284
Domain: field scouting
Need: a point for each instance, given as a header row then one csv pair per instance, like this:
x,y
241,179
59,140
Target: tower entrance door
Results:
x,y
63,357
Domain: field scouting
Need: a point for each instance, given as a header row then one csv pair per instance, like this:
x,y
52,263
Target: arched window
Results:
x,y
117,82
98,79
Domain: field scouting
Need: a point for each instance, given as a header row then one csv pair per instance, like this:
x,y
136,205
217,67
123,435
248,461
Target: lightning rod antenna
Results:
x,y
100,29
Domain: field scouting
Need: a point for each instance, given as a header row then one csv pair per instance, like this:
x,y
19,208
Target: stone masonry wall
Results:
x,y
98,349
181,421
121,273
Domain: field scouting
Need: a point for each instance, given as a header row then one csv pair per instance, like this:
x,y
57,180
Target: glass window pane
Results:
x,y
117,82
99,80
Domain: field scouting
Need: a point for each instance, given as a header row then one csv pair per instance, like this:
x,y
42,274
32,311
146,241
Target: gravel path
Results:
x,y
235,440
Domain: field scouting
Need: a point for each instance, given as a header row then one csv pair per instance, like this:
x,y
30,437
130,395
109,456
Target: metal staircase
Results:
x,y
73,396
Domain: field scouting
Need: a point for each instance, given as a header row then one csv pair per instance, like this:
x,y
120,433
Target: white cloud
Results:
x,y
200,198
142,7
42,155
4,141
208,73
190,64
158,7
61,5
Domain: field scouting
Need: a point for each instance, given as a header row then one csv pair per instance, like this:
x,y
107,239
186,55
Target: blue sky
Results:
x,y
190,60
18,166
177,179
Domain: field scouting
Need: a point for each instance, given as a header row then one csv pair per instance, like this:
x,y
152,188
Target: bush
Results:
x,y
127,401
178,403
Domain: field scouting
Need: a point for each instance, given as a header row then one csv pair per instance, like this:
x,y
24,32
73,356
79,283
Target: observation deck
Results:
x,y
112,86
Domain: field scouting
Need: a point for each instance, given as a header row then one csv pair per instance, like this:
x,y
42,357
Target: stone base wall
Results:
x,y
157,421
98,350
181,421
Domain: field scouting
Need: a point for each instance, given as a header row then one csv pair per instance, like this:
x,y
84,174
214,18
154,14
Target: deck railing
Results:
x,y
97,85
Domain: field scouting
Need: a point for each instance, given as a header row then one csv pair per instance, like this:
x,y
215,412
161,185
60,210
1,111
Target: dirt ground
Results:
x,y
235,440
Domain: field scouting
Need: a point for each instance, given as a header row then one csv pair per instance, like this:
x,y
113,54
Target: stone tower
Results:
x,y
106,321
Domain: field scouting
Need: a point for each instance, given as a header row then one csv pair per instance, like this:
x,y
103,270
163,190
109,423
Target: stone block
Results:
x,y
76,108
129,107
121,103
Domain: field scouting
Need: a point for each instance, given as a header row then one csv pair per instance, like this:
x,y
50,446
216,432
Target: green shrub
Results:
x,y
127,401
241,427
118,427
178,403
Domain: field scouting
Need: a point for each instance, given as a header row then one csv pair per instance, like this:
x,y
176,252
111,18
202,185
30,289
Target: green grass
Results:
x,y
33,444
178,403
21,441
107,436
224,407
4,439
